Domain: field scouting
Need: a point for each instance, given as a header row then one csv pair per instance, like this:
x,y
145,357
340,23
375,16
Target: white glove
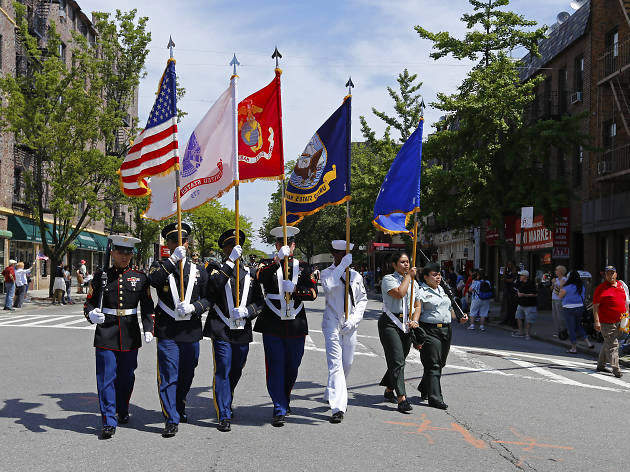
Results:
x,y
178,254
184,308
148,337
284,251
345,261
96,316
343,265
288,286
236,253
238,313
347,328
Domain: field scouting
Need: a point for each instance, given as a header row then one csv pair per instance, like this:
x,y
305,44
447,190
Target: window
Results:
x,y
578,74
17,183
610,132
612,51
578,162
62,52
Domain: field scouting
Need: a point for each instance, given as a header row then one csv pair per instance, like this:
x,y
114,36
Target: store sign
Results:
x,y
164,252
541,237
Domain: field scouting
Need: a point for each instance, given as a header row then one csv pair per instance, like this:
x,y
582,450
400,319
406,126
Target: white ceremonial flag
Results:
x,y
208,165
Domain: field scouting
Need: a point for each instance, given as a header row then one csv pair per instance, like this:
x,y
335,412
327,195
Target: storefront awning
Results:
x,y
100,240
86,242
24,229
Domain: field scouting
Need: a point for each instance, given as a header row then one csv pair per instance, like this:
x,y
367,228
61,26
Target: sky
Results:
x,y
322,43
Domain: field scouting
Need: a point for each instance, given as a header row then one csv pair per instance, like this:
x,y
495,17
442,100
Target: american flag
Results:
x,y
155,150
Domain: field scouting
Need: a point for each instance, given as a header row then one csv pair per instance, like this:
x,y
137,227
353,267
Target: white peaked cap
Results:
x,y
279,233
340,245
123,241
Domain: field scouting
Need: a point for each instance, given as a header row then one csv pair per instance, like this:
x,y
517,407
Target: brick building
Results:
x,y
20,237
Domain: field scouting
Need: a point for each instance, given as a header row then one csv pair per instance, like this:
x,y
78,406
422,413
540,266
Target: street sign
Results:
x,y
527,217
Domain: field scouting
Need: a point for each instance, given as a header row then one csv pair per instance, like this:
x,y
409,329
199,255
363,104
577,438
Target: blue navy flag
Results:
x,y
399,196
321,175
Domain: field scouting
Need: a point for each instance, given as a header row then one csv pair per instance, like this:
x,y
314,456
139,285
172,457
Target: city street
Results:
x,y
513,405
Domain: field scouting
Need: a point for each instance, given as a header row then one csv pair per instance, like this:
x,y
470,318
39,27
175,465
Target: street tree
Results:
x,y
60,118
490,161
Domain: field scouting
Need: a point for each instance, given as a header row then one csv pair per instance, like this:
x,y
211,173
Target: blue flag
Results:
x,y
321,175
399,196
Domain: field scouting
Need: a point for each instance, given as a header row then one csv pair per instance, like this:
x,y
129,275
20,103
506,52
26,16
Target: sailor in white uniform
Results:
x,y
341,334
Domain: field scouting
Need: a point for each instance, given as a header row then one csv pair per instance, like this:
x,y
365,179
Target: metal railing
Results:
x,y
550,105
614,59
614,161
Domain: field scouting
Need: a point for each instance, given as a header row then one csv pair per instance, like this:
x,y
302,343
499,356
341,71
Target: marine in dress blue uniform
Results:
x,y
177,326
117,336
284,327
229,323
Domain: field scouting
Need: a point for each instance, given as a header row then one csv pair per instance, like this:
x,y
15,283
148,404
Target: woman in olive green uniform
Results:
x,y
394,327
432,324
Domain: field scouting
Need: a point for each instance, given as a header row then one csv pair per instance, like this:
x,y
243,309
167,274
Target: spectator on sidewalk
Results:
x,y
526,312
572,296
610,300
81,273
466,293
59,286
21,284
509,303
9,284
481,293
67,275
557,313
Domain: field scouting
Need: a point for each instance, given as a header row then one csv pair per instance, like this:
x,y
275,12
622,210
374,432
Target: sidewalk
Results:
x,y
542,330
40,297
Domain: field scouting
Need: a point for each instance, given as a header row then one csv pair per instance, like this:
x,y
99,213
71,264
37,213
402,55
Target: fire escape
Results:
x,y
614,106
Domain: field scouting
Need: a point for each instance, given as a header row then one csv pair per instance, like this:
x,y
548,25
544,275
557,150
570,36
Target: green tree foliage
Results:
x,y
489,161
209,221
61,115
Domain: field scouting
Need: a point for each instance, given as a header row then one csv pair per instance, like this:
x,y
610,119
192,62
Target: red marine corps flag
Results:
x,y
260,134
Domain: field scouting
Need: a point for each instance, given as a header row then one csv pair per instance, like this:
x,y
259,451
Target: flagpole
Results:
x,y
287,296
415,219
350,85
170,46
235,63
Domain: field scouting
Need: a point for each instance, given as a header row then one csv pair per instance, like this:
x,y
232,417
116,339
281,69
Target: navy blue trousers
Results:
x,y
176,370
229,360
114,381
283,357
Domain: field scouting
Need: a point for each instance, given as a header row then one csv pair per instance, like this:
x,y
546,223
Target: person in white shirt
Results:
x,y
340,334
21,284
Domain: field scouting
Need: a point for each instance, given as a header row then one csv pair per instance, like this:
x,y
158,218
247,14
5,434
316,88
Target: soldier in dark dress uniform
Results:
x,y
229,323
284,327
177,326
117,337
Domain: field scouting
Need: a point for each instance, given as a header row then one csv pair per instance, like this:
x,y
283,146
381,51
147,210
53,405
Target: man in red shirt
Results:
x,y
609,302
9,284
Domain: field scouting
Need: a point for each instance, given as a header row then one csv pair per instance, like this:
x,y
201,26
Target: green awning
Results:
x,y
5,234
24,229
86,241
100,240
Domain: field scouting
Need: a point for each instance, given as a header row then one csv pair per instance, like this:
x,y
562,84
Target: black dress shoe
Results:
x,y
170,430
336,417
404,406
277,421
604,369
390,396
108,432
123,419
618,374
438,405
224,426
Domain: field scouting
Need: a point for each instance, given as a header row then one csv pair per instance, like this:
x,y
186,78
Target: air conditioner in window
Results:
x,y
576,97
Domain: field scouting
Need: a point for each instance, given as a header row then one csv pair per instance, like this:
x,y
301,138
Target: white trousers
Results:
x,y
339,355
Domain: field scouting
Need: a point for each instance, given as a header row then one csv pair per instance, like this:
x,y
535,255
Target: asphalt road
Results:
x,y
513,405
